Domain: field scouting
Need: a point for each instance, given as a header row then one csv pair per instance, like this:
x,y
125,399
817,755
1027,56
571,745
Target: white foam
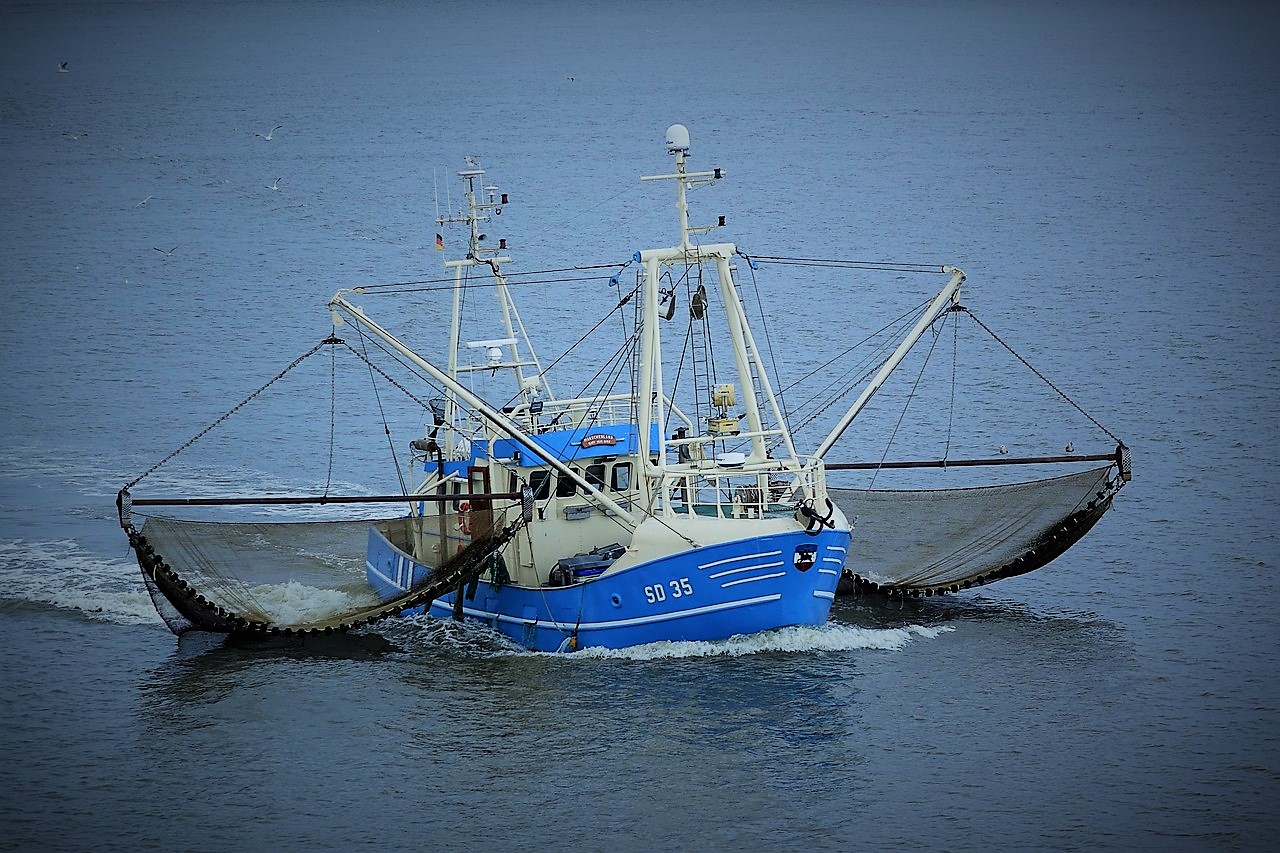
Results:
x,y
469,637
799,639
294,603
61,573
475,638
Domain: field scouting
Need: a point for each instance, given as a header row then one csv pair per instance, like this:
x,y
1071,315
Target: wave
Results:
x,y
795,640
474,639
62,574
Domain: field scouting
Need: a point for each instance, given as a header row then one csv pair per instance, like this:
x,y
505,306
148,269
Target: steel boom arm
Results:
x,y
940,302
494,417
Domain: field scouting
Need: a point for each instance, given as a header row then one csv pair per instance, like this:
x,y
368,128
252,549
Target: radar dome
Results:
x,y
677,139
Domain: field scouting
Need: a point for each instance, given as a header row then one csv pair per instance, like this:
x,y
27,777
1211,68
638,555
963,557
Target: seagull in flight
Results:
x,y
1002,450
275,185
62,68
163,252
1070,448
143,203
269,132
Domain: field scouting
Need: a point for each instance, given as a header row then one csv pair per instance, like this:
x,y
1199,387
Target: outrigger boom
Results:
x,y
949,295
496,418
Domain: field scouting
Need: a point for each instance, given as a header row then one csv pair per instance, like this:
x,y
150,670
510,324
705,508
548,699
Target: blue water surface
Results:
x,y
1105,173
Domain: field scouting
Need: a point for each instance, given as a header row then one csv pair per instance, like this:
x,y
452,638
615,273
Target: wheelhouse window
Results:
x,y
540,483
566,487
595,475
620,477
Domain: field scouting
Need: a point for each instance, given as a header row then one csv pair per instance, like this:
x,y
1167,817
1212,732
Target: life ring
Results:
x,y
464,518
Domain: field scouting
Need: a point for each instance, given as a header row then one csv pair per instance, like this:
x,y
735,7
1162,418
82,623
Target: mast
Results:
x,y
747,361
480,252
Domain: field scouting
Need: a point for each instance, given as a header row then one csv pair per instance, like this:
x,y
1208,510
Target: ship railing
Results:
x,y
539,417
612,410
770,491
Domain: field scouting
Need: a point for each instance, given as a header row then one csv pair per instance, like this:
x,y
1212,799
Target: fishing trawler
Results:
x,y
652,517
676,509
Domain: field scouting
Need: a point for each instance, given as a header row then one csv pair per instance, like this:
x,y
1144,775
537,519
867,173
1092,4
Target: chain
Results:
x,y
1043,378
236,408
384,375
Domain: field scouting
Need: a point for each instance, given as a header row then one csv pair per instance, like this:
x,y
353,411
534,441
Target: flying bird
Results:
x,y
1003,449
269,132
62,68
275,185
143,203
163,252
1070,448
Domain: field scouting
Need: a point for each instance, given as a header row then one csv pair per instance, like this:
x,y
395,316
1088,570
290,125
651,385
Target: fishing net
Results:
x,y
293,577
931,541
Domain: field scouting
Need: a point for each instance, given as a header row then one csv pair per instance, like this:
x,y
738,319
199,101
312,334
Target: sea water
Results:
x,y
1106,175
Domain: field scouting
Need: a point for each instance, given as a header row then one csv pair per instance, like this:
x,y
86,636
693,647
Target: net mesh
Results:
x,y
290,576
285,573
939,540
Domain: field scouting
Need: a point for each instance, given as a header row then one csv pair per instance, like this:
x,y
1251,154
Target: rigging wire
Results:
x,y
903,414
385,428
630,186
333,408
394,356
839,386
588,334
635,354
896,321
1043,378
822,406
613,364
330,341
883,266
713,376
675,383
445,285
764,324
467,282
951,412
237,407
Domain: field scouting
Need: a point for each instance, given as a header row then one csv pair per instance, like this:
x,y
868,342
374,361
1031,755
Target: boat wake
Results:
x,y
423,633
799,639
102,589
429,635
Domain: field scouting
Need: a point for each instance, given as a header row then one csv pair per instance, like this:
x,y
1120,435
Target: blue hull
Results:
x,y
710,593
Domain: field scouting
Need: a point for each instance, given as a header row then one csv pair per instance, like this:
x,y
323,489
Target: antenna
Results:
x,y
677,137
